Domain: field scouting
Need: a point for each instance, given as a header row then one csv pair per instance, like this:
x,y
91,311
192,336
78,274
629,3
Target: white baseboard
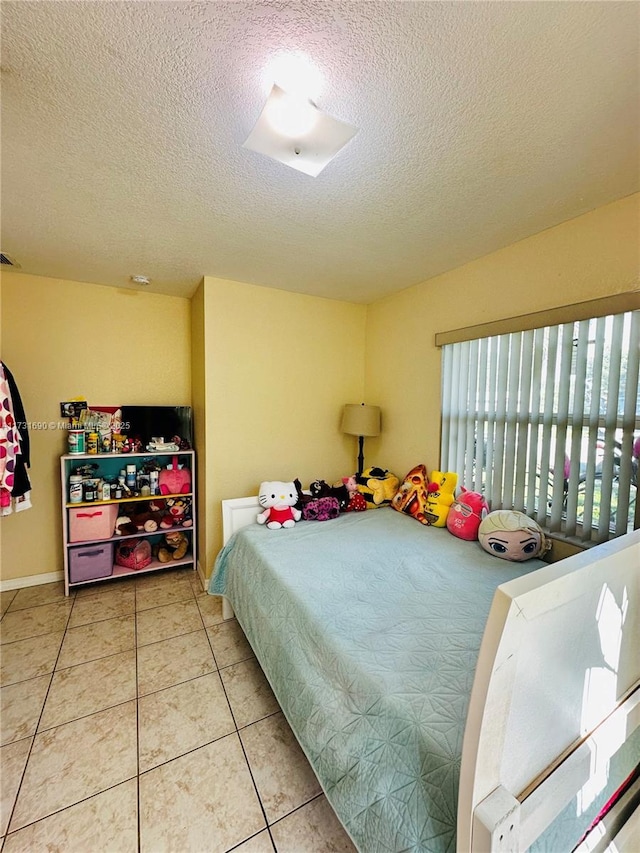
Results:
x,y
31,580
52,577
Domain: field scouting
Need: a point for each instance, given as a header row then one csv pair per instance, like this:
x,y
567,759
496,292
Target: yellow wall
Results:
x,y
63,339
586,258
267,371
279,367
199,404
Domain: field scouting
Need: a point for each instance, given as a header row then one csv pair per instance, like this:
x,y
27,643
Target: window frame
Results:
x,y
555,317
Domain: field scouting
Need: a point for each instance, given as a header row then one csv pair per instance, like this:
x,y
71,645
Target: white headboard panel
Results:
x,y
238,513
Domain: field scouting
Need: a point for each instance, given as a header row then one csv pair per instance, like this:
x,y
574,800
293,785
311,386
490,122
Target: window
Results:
x,y
547,421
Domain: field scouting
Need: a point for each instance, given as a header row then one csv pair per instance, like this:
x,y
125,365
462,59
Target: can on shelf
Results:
x,y
76,440
92,442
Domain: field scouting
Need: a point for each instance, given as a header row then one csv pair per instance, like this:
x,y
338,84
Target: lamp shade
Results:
x,y
358,419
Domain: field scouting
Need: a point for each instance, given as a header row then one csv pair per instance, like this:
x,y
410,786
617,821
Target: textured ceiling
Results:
x,y
479,124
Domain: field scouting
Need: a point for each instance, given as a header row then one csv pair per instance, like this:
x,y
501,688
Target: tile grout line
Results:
x,y
246,758
85,716
194,595
35,733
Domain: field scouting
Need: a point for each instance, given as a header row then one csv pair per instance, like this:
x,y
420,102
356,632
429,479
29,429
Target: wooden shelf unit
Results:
x,y
109,465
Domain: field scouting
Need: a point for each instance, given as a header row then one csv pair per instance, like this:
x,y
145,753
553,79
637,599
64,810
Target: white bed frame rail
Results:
x,y
556,693
556,690
236,514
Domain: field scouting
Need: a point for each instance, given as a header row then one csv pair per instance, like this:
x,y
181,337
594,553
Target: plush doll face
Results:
x,y
277,495
511,536
178,508
350,483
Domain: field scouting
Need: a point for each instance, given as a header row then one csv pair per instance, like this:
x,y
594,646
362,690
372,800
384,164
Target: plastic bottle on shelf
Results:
x,y
75,488
131,475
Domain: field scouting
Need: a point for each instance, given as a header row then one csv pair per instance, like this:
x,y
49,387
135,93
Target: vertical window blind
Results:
x,y
547,422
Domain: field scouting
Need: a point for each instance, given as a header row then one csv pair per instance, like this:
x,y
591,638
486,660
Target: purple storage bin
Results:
x,y
90,562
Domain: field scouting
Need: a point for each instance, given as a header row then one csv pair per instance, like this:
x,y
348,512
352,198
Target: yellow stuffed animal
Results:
x,y
378,486
441,495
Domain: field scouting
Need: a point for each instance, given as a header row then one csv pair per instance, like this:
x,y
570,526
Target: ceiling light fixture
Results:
x,y
291,115
292,130
140,279
294,72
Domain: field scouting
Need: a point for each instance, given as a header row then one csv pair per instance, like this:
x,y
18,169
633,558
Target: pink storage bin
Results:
x,y
92,522
90,562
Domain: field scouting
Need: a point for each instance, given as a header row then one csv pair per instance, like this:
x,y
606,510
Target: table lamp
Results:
x,y
360,419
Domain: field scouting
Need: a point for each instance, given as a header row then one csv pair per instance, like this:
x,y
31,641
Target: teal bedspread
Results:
x,y
368,629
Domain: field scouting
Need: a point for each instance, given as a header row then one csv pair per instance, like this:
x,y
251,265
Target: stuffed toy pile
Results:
x,y
286,503
156,514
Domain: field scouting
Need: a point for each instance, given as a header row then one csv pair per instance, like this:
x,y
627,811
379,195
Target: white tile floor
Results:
x,y
133,718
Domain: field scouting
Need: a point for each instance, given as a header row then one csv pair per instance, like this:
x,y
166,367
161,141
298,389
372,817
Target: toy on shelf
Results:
x,y
466,513
174,546
133,554
512,535
279,501
179,509
174,480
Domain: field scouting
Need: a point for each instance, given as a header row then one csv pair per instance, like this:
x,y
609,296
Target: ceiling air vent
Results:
x,y
5,259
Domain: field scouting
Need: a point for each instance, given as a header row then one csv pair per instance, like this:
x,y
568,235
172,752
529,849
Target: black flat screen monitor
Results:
x,y
147,422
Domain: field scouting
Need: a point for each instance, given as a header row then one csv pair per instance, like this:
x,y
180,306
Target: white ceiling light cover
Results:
x,y
295,132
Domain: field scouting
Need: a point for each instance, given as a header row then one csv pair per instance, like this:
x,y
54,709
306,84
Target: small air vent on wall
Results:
x,y
5,259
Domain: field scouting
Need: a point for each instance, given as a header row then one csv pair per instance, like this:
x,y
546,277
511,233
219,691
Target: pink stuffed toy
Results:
x,y
466,513
357,503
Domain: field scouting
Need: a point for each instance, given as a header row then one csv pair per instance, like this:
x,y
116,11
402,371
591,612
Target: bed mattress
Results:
x,y
368,628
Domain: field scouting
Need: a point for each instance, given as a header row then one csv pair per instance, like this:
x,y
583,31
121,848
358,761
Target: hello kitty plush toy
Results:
x,y
279,500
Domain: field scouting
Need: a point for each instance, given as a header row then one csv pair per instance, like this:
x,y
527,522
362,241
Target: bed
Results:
x,y
447,700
